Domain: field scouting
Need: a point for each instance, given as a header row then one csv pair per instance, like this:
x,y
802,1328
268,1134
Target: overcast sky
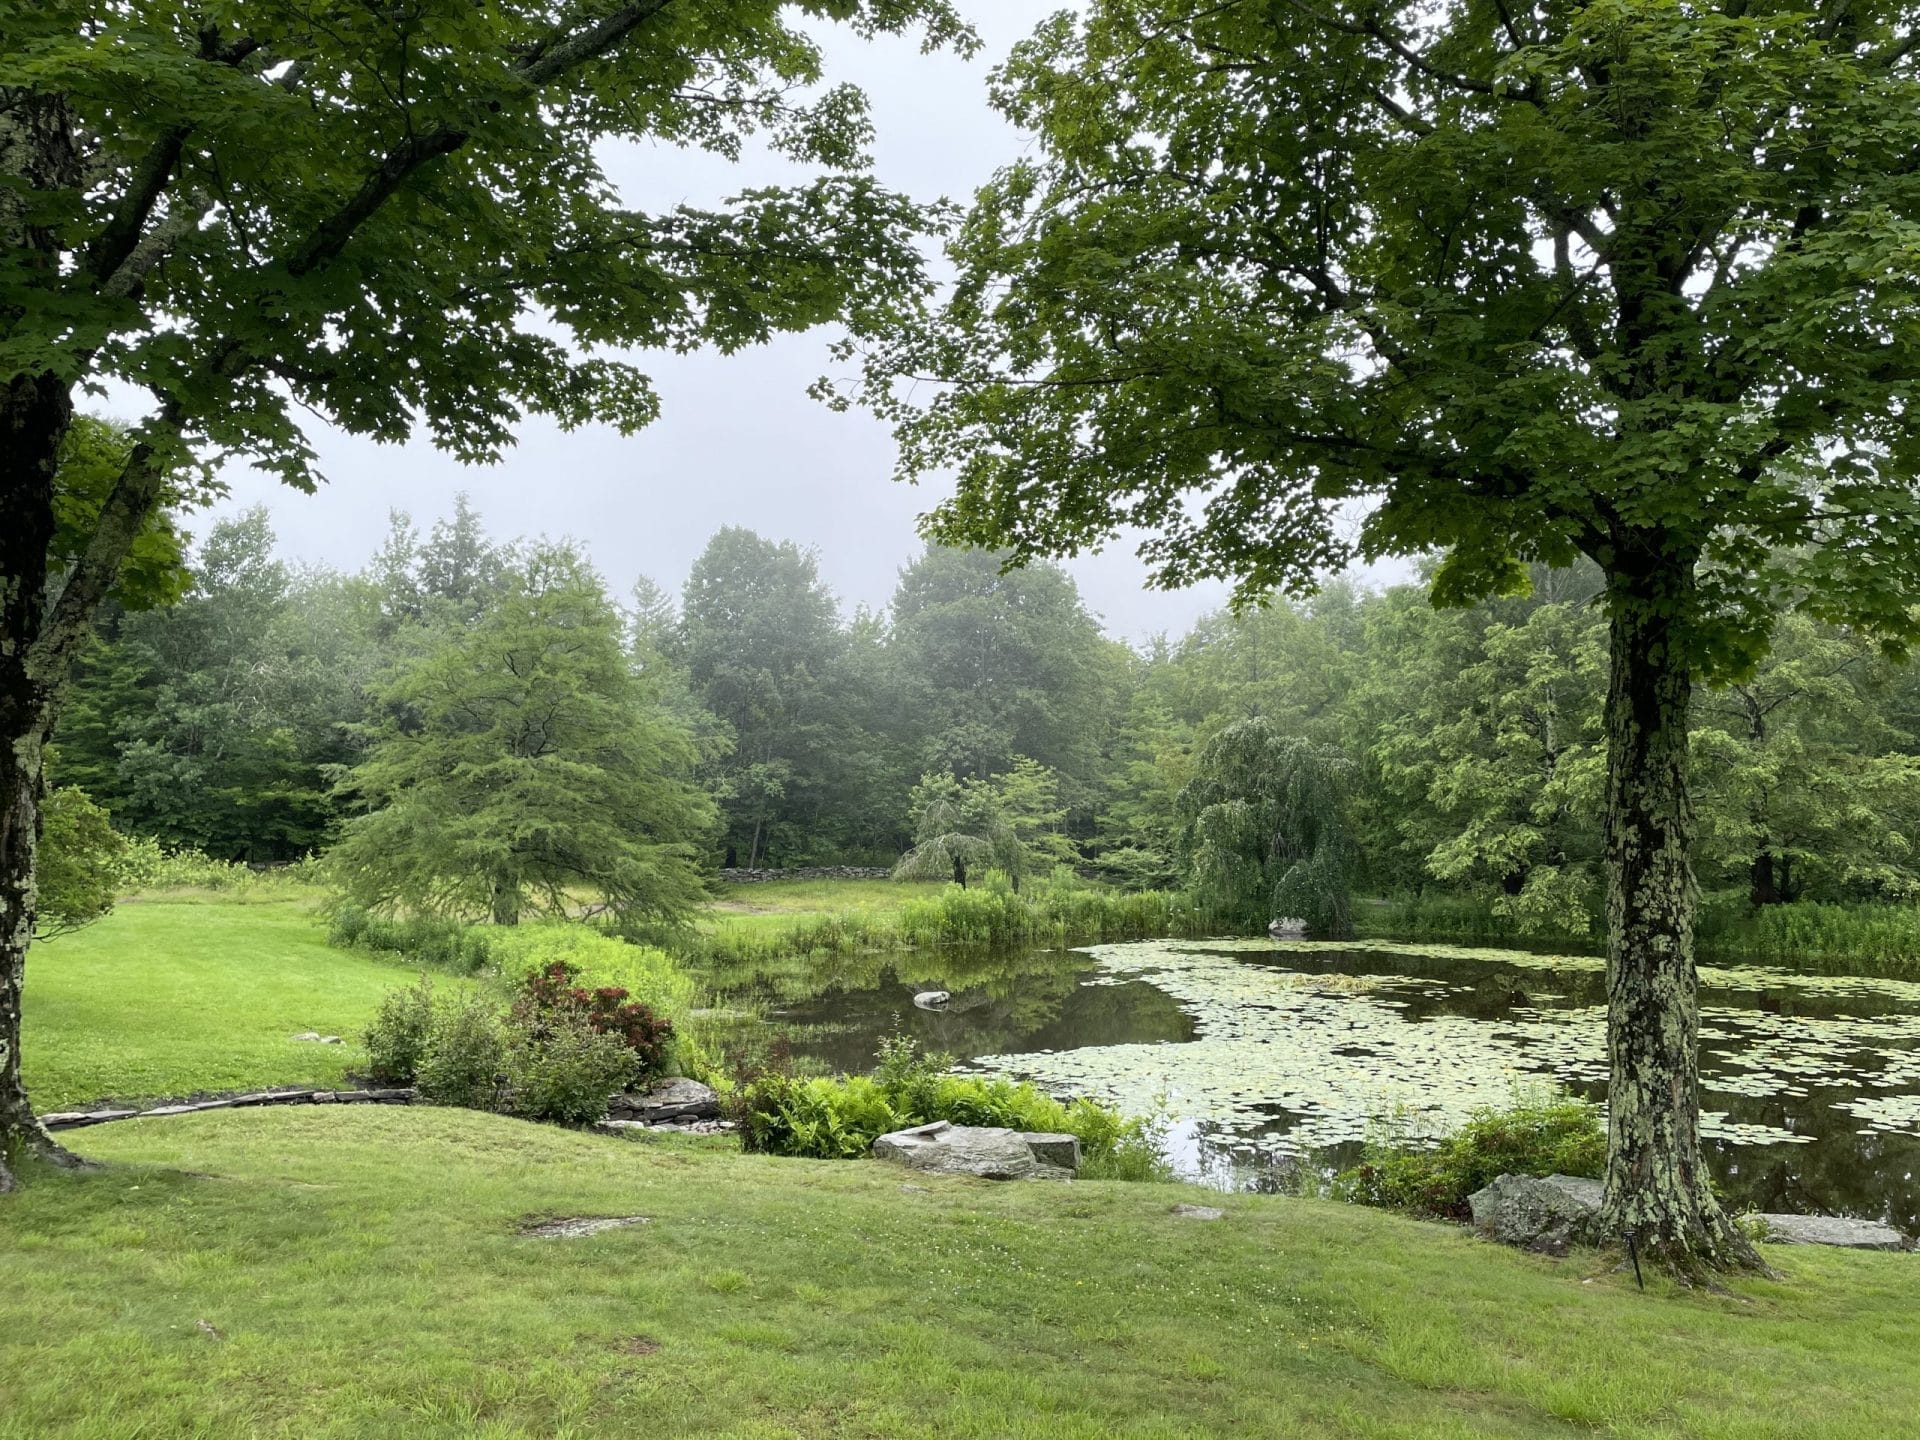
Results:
x,y
739,441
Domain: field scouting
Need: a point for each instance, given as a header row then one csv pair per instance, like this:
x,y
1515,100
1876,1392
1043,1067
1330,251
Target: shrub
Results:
x,y
563,1067
397,1039
1540,1134
81,864
839,1119
549,997
464,1055
148,865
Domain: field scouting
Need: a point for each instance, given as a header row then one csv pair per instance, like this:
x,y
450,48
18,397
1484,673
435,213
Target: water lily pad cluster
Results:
x,y
1295,1060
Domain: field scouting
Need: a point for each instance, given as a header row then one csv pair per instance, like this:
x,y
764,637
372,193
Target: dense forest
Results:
x,y
247,719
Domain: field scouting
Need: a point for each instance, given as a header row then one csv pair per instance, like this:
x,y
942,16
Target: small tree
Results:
x,y
1010,822
1266,830
523,765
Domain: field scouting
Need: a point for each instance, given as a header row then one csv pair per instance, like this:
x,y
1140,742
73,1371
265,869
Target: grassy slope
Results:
x,y
170,997
364,1276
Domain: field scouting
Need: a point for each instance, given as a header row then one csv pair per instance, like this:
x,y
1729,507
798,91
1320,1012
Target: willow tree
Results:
x,y
1528,279
1266,830
394,216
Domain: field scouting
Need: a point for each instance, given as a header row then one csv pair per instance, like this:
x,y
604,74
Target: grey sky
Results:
x,y
739,441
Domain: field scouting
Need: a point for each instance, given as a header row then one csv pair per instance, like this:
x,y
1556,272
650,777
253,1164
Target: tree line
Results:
x,y
983,716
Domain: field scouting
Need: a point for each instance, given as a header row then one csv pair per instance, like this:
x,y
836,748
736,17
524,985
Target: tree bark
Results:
x,y
35,413
1657,1184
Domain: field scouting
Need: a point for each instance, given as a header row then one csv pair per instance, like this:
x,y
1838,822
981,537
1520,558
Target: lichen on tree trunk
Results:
x,y
34,415
1657,1184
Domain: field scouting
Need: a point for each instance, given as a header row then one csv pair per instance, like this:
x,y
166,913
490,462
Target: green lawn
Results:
x,y
785,899
357,1272
164,998
337,1272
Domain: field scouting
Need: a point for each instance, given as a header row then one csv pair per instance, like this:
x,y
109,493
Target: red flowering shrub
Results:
x,y
607,1010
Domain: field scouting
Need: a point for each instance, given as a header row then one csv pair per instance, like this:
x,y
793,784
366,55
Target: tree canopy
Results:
x,y
1631,281
522,765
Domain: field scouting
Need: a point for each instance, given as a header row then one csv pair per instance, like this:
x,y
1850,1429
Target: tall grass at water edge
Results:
x,y
990,914
1864,939
1856,939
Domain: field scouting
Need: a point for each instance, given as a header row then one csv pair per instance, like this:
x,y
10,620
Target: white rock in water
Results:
x,y
932,999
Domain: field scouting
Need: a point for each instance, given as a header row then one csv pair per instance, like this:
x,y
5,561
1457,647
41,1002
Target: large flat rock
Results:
x,y
988,1152
1832,1230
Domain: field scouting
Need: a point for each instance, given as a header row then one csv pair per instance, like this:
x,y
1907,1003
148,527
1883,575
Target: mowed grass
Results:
x,y
781,900
168,998
349,1273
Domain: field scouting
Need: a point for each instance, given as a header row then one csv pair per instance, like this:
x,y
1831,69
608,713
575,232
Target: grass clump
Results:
x,y
148,867
991,914
839,1118
417,939
1539,1134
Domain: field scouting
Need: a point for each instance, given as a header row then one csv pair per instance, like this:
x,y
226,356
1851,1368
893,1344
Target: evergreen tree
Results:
x,y
525,766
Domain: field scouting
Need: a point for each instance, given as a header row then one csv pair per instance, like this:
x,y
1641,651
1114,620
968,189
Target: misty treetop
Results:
x,y
1472,739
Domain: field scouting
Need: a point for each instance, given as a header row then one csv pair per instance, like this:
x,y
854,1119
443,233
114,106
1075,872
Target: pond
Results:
x,y
1267,1052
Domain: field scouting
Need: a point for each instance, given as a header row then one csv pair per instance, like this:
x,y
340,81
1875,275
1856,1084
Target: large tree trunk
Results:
x,y
1656,1183
34,416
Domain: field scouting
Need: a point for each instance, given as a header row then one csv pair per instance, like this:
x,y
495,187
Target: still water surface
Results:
x,y
1266,1052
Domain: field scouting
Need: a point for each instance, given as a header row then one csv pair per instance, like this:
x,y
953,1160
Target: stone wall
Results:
x,y
806,872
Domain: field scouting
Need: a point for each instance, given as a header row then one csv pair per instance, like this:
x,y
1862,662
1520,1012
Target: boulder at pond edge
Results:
x,y
989,1152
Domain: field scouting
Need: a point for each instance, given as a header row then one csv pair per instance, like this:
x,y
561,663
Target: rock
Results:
x,y
1061,1150
374,1097
675,1099
73,1119
1287,927
734,876
989,1152
1543,1214
192,1108
624,1129
1198,1212
309,1035
1832,1230
932,999
572,1227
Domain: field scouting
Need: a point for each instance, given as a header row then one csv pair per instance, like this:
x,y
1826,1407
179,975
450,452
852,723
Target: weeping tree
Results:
x,y
392,216
1010,822
1266,832
1527,280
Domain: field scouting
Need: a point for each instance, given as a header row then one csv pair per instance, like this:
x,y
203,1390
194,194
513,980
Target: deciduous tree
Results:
x,y
393,215
1632,280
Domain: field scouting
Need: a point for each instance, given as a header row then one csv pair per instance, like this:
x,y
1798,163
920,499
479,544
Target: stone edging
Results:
x,y
74,1119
